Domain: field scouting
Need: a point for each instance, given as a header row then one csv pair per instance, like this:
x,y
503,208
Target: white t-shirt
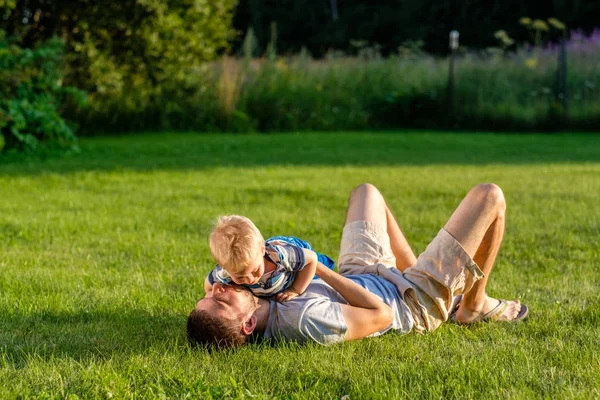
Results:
x,y
316,315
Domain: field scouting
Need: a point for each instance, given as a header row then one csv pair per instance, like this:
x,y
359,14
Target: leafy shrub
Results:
x,y
31,95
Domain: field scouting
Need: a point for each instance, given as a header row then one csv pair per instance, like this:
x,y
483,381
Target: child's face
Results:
x,y
251,274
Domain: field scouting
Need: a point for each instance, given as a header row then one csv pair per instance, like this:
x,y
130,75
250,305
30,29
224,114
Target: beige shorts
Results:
x,y
442,271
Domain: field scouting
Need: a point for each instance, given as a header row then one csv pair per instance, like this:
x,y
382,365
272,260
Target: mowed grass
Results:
x,y
103,255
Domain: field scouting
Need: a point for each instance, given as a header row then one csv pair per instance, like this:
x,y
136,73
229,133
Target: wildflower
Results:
x,y
556,24
525,21
503,37
500,34
281,65
531,62
540,25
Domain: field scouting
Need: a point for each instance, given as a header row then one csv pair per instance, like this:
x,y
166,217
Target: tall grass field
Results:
x,y
103,255
498,90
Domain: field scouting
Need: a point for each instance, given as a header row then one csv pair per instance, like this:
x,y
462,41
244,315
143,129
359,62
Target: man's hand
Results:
x,y
286,295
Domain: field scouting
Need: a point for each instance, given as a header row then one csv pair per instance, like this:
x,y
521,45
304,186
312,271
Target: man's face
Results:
x,y
229,302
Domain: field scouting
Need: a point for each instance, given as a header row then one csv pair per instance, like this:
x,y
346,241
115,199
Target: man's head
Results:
x,y
238,246
224,319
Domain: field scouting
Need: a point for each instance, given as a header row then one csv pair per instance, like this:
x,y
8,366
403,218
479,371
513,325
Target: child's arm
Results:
x,y
303,277
216,275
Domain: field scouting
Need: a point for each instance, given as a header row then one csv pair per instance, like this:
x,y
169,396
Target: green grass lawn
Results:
x,y
103,255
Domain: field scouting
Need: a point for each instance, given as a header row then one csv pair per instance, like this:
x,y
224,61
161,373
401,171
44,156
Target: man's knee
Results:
x,y
364,191
492,196
366,204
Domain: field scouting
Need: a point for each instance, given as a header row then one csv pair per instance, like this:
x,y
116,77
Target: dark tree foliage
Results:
x,y
389,23
133,57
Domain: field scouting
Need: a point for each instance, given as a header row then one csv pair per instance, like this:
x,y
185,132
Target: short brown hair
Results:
x,y
234,242
206,330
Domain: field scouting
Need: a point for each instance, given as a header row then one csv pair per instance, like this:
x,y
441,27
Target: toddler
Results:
x,y
281,266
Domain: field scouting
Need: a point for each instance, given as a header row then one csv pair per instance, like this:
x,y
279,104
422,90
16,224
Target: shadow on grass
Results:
x,y
200,151
81,334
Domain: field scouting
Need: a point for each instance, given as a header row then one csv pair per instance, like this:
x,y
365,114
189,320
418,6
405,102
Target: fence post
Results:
x,y
453,47
563,90
334,10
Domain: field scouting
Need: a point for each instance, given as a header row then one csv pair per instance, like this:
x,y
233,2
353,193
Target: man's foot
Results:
x,y
493,310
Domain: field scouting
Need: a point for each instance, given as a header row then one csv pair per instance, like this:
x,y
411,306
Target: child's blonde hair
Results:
x,y
235,242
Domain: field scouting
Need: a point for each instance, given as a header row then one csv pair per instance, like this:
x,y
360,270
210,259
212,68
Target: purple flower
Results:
x,y
579,43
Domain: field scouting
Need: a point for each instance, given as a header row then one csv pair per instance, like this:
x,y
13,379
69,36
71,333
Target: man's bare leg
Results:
x,y
405,258
367,204
478,225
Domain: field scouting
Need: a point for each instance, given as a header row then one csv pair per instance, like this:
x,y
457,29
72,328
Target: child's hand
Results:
x,y
208,292
286,295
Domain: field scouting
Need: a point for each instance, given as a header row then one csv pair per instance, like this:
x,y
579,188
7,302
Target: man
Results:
x,y
381,286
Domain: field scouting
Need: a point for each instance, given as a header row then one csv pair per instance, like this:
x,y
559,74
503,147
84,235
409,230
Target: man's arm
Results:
x,y
365,313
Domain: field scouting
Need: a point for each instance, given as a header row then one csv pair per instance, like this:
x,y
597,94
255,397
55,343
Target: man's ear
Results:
x,y
249,326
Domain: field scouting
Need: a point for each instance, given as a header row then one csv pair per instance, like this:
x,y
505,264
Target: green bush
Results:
x,y
31,95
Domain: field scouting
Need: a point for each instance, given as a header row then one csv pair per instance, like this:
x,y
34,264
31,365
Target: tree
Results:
x,y
113,46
